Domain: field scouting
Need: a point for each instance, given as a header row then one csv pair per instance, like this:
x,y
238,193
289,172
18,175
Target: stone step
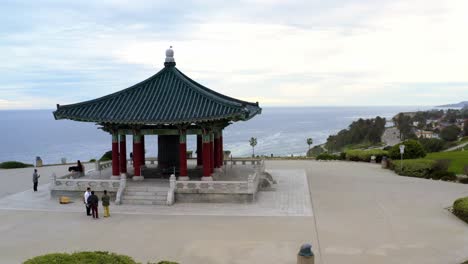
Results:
x,y
143,202
143,197
126,192
146,189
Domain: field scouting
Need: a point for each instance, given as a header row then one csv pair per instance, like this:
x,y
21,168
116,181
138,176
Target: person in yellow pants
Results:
x,y
105,203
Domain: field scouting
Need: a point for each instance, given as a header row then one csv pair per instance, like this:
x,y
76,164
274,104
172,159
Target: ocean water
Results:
x,y
279,131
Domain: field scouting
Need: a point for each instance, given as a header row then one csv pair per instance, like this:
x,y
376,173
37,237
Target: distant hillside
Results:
x,y
461,104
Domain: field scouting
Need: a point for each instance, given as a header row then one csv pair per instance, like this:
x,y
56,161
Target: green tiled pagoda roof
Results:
x,y
168,97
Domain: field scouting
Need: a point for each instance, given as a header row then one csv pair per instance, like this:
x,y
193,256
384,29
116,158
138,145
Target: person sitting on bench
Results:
x,y
77,168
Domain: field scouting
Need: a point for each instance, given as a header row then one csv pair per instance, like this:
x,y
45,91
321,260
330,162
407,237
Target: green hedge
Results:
x,y
419,168
97,257
14,165
326,156
460,208
365,155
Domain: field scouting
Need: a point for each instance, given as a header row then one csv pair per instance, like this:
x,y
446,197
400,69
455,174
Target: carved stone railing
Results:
x,y
242,161
213,187
102,165
59,184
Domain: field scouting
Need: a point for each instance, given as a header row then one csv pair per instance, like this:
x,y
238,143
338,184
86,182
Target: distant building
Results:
x,y
425,134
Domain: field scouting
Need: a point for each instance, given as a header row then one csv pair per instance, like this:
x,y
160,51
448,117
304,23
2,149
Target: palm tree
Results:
x,y
253,143
309,142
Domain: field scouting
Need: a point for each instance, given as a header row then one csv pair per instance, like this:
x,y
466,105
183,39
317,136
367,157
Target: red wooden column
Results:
x,y
212,152
206,157
199,150
143,158
115,155
221,149
216,150
183,175
137,156
123,153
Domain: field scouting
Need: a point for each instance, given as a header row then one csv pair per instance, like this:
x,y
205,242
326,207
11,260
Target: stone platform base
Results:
x,y
214,198
55,194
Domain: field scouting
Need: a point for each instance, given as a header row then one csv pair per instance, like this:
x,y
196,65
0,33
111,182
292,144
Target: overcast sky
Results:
x,y
280,53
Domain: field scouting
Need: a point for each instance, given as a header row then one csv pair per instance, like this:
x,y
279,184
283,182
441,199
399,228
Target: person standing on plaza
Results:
x,y
35,179
85,200
93,202
105,203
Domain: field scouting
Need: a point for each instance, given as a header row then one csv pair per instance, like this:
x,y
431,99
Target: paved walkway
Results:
x,y
457,147
363,214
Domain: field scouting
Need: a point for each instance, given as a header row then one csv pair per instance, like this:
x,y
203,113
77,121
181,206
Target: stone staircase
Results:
x,y
145,195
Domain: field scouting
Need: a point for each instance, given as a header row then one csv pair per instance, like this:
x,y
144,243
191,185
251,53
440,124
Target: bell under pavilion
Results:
x,y
172,106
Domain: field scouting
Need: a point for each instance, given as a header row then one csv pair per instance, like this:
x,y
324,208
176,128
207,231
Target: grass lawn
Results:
x,y
459,159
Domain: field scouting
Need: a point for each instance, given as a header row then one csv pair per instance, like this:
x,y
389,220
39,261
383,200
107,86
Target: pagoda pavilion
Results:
x,y
172,106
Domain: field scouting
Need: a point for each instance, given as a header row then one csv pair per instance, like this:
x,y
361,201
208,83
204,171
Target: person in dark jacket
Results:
x,y
35,179
77,168
93,202
105,203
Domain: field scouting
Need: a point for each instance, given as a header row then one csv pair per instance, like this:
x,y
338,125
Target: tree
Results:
x,y
403,123
465,128
309,142
450,133
413,150
451,116
432,144
253,143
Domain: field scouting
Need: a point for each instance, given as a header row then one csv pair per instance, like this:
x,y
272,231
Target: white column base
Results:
x,y
123,175
207,178
183,178
138,178
113,177
218,169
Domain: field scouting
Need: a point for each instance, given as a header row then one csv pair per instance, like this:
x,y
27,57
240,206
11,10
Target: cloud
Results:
x,y
281,52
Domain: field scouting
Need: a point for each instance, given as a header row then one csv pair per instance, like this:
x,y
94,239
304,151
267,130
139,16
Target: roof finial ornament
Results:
x,y
169,57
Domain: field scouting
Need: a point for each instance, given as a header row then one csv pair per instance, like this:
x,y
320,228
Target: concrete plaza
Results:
x,y
356,213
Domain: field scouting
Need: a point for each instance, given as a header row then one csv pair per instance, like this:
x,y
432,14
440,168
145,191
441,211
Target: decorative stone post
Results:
x,y
137,156
183,176
206,157
115,157
123,154
305,255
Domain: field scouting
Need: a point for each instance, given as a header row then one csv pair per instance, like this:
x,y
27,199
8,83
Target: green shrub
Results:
x,y
419,168
413,150
432,144
443,175
107,156
450,177
464,180
460,208
14,165
365,155
96,257
315,151
326,156
92,160
342,155
450,133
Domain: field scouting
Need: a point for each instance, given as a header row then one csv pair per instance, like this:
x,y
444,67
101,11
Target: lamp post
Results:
x,y
402,151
